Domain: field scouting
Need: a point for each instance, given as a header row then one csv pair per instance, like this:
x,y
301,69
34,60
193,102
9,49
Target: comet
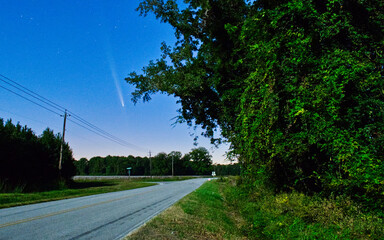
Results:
x,y
112,68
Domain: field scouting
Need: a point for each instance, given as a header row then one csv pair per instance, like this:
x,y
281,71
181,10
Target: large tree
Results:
x,y
201,161
198,70
296,86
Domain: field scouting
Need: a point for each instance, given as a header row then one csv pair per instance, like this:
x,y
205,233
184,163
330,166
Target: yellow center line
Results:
x,y
66,211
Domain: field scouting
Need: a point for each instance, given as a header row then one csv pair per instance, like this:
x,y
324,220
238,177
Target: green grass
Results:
x,y
223,210
76,189
203,214
297,216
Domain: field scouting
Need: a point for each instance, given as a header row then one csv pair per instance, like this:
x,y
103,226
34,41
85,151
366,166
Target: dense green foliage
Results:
x,y
30,162
295,86
294,215
196,162
312,112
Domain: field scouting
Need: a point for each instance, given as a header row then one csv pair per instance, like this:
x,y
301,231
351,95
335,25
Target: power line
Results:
x,y
101,135
30,100
78,118
32,93
50,104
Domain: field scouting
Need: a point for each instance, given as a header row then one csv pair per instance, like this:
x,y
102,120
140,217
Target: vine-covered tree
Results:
x,y
312,112
296,86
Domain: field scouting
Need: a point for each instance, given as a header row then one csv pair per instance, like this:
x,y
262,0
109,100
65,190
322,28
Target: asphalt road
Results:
x,y
102,216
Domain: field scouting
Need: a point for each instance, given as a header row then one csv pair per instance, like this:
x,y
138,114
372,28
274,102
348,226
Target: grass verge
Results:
x,y
297,216
203,214
78,188
223,210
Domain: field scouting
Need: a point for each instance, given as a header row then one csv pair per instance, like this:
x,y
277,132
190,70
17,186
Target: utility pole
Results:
x,y
172,167
150,164
62,142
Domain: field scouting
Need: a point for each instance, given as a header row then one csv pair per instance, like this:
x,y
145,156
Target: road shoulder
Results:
x,y
203,214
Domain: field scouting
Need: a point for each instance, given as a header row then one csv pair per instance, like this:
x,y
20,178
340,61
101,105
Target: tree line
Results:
x,y
30,162
197,162
296,87
227,169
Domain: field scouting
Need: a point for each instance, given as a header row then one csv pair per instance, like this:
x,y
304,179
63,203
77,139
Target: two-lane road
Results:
x,y
103,216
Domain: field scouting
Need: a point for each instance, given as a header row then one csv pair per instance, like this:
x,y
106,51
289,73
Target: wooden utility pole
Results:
x,y
150,164
62,142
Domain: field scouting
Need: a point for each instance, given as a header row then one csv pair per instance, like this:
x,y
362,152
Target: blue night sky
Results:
x,y
77,54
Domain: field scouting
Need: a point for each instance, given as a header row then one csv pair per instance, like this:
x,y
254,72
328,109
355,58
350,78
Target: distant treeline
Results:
x,y
227,170
196,162
30,162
